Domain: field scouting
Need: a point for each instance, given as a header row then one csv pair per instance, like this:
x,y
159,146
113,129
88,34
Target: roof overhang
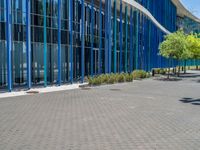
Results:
x,y
183,12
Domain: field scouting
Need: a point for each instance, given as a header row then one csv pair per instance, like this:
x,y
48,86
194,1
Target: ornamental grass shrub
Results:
x,y
117,78
160,71
112,79
139,74
120,78
128,77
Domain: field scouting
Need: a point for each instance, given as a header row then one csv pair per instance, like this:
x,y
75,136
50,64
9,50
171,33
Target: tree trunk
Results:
x,y
185,69
168,72
179,69
169,63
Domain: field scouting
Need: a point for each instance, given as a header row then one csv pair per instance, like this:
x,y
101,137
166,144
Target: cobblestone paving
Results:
x,y
143,115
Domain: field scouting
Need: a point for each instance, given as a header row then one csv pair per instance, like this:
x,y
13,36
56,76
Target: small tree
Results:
x,y
175,46
194,45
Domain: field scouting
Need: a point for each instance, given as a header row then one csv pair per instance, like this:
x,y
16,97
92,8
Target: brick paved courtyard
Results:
x,y
143,115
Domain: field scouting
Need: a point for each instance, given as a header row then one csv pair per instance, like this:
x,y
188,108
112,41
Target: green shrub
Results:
x,y
157,70
97,81
148,75
162,71
139,74
128,77
120,78
112,79
90,80
105,78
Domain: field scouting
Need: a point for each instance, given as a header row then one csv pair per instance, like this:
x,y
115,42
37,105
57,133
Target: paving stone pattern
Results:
x,y
143,115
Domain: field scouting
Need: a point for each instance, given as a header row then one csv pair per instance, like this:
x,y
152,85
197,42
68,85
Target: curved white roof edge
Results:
x,y
183,11
147,13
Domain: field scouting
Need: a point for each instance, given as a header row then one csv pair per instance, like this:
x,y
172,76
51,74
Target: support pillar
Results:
x,y
9,43
115,36
45,44
121,37
71,38
100,38
59,43
108,38
28,44
82,41
92,38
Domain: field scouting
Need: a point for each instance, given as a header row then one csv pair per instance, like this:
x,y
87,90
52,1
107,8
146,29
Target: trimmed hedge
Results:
x,y
117,78
160,71
139,74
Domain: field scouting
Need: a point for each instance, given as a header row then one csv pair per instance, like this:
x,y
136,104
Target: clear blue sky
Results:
x,y
193,6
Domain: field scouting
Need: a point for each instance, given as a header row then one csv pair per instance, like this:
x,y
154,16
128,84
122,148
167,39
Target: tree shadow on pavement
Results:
x,y
189,75
166,79
192,101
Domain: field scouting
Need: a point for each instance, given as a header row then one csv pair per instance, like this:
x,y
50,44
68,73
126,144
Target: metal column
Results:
x,y
131,41
28,44
126,39
121,37
108,38
9,43
45,45
92,38
59,42
100,37
71,38
115,36
82,41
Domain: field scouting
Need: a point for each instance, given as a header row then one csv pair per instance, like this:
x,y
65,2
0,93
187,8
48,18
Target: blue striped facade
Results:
x,y
62,41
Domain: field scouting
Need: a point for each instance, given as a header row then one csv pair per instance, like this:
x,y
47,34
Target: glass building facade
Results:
x,y
44,42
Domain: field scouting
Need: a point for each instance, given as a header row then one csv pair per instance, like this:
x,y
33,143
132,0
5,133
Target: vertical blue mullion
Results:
x,y
110,37
92,37
100,36
121,36
149,47
71,38
9,43
139,35
28,44
106,40
131,40
82,41
59,42
145,43
45,45
137,40
126,38
115,36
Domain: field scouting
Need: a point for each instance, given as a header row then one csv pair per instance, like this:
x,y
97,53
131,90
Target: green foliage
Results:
x,y
163,71
175,46
112,79
120,78
104,78
117,78
139,74
97,81
180,46
194,45
159,71
128,77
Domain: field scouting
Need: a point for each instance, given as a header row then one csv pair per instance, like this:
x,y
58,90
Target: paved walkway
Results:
x,y
143,115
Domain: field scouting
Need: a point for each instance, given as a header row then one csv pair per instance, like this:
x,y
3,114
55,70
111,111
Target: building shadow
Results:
x,y
192,101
